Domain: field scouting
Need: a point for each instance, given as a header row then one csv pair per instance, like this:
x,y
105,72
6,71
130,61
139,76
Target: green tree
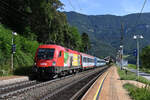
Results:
x,y
13,14
46,20
145,57
85,42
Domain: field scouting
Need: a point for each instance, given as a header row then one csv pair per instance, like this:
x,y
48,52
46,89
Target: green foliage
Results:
x,y
138,93
85,42
13,14
131,76
26,70
75,39
145,57
147,70
132,66
24,55
43,22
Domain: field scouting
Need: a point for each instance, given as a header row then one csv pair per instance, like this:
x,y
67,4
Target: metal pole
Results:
x,y
12,54
122,58
138,57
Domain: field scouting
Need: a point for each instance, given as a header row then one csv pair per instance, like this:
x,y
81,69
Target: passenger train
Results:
x,y
55,60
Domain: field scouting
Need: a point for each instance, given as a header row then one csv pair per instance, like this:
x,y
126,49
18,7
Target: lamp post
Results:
x,y
13,51
121,55
137,37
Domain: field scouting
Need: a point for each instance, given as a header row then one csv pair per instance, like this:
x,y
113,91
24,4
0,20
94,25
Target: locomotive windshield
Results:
x,y
45,53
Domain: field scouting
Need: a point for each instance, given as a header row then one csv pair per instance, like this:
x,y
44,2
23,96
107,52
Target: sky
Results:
x,y
103,7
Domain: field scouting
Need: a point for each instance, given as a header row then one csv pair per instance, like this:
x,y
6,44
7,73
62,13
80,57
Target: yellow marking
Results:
x,y
99,87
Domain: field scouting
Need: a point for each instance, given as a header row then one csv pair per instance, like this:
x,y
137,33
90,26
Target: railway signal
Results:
x,y
13,48
135,52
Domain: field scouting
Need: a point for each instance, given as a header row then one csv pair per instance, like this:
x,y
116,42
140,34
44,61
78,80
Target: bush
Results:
x,y
132,66
145,57
138,93
131,76
24,56
23,70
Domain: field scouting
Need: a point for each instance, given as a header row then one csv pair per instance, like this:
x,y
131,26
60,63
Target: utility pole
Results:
x,y
121,47
137,37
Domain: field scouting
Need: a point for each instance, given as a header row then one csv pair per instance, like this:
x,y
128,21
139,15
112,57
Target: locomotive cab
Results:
x,y
45,57
47,60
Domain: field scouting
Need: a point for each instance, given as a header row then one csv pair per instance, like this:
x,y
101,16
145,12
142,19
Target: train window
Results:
x,y
45,53
84,59
92,60
59,54
88,59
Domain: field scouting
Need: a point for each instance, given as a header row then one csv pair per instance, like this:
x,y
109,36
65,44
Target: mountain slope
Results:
x,y
105,30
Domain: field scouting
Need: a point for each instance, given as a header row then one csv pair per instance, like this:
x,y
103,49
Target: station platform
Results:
x,y
5,80
107,87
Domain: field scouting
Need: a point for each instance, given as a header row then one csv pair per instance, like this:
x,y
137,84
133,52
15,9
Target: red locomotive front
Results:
x,y
48,60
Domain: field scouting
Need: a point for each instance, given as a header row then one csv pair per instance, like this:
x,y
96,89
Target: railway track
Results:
x,y
76,89
13,87
49,89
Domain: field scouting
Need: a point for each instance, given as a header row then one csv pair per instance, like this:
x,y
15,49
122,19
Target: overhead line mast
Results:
x,y
121,46
71,5
139,15
79,5
138,37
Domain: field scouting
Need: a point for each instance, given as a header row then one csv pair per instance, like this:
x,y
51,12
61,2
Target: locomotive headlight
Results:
x,y
54,63
35,63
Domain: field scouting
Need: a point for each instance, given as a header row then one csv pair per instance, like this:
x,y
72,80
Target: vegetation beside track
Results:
x,y
144,69
138,93
132,66
24,56
127,75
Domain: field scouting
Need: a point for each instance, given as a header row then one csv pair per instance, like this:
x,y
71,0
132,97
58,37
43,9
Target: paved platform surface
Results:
x,y
107,87
12,79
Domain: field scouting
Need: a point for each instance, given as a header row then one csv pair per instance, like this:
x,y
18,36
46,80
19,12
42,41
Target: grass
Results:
x,y
132,66
138,93
131,76
146,70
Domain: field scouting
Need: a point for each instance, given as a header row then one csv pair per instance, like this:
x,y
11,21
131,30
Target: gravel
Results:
x,y
40,92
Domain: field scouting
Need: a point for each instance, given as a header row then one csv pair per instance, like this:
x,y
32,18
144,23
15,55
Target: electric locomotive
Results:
x,y
52,60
